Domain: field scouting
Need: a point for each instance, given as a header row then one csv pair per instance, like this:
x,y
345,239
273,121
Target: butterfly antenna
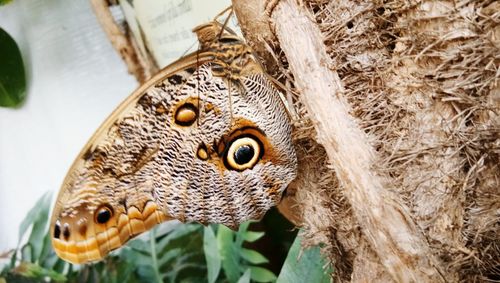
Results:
x,y
216,18
226,21
198,89
230,100
187,50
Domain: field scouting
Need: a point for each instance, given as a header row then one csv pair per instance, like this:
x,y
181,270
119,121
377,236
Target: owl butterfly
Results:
x,y
205,140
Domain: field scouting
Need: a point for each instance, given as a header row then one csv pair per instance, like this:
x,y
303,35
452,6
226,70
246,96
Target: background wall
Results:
x,y
75,80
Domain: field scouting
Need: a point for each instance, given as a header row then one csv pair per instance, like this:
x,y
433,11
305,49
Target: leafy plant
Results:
x,y
12,75
35,260
305,266
3,2
237,260
172,252
168,256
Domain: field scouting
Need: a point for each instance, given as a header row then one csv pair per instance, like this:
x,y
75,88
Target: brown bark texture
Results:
x,y
398,132
139,65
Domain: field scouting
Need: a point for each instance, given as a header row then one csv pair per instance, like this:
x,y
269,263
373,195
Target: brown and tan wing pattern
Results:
x,y
206,140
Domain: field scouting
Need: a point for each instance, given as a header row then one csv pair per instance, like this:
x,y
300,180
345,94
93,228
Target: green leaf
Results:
x,y
242,230
229,253
39,229
177,233
146,274
154,255
211,254
169,255
307,268
251,237
27,253
245,278
123,271
261,274
36,218
46,249
134,257
12,75
32,214
35,271
139,245
59,265
3,2
253,257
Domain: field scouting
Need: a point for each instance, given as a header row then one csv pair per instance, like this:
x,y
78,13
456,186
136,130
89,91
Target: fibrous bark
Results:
x,y
124,44
415,106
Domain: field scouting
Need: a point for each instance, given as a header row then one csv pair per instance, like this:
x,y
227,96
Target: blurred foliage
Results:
x,y
3,2
12,75
173,252
304,266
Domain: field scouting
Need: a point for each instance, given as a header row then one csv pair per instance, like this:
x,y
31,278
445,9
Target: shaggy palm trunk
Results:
x,y
398,131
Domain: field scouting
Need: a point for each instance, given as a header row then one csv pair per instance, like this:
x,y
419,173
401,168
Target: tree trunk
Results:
x,y
393,94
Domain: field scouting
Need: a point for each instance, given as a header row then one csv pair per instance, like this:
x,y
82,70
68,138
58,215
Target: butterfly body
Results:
x,y
206,140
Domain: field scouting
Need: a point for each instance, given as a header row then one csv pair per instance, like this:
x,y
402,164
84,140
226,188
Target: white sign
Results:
x,y
163,28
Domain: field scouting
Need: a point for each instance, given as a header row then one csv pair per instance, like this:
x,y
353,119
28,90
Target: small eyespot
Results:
x,y
57,230
103,214
82,228
186,114
66,232
243,153
202,152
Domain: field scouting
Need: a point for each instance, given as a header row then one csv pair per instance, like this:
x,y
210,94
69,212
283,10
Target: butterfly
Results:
x,y
207,139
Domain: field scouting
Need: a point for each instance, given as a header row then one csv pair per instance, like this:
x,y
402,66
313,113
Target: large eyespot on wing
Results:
x,y
245,146
243,152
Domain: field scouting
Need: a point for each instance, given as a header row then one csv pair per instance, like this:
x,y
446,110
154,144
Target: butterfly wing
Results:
x,y
191,144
